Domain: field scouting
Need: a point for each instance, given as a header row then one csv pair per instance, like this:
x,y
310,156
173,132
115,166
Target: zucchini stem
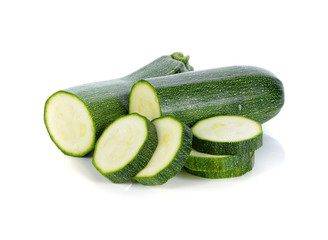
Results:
x,y
185,59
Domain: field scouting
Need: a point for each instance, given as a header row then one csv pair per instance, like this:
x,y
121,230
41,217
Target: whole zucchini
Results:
x,y
246,91
76,117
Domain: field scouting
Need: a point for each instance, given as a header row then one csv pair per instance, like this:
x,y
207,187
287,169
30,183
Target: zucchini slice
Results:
x,y
70,124
207,162
125,147
76,117
174,146
246,166
227,135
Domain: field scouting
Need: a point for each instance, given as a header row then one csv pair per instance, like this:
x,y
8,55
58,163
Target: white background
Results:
x,y
46,46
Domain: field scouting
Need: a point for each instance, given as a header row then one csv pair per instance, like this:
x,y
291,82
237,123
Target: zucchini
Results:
x,y
174,146
125,147
208,162
227,135
238,90
76,117
245,166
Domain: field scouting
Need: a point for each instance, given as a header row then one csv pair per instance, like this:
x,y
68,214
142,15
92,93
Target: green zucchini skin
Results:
x,y
246,166
228,148
176,164
108,100
246,91
140,160
216,163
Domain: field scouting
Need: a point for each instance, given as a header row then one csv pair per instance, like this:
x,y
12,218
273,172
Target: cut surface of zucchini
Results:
x,y
125,147
69,124
245,167
143,100
227,135
174,145
207,162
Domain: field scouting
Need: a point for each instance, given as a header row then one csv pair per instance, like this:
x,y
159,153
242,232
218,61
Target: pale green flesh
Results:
x,y
205,155
120,143
226,129
69,123
143,100
169,132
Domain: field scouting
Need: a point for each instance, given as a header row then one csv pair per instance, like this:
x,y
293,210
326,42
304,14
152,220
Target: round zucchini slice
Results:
x,y
227,135
125,147
244,167
69,124
208,162
174,146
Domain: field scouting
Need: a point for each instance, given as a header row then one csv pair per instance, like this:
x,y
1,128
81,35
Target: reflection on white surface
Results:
x,y
271,155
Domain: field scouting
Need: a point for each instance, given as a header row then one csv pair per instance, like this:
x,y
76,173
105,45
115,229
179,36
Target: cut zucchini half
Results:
x,y
207,162
143,100
245,167
102,102
227,135
237,90
69,124
125,147
174,146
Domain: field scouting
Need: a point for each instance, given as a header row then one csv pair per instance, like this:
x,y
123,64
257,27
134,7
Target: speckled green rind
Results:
x,y
239,171
139,161
177,162
108,100
216,163
227,148
237,90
